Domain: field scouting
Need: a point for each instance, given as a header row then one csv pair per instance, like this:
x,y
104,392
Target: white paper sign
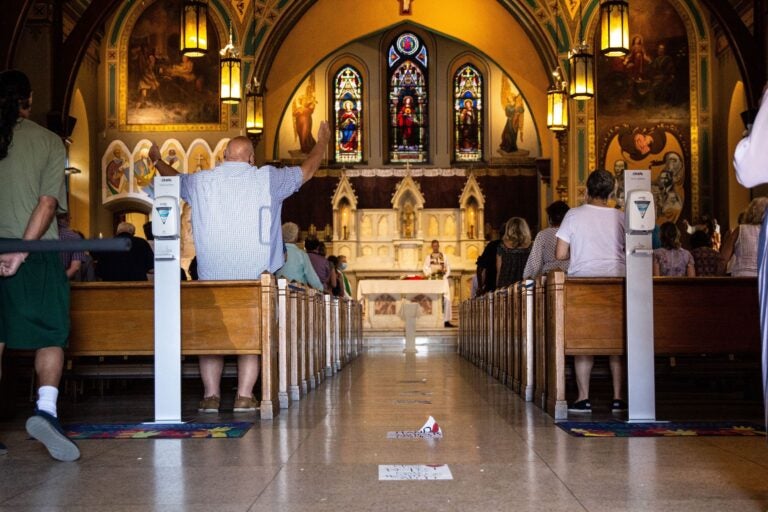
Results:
x,y
414,472
404,434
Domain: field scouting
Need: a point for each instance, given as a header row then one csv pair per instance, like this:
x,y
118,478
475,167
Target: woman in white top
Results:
x,y
742,242
593,236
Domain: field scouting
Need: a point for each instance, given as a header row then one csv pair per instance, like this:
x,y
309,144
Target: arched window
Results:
x,y
407,99
348,108
468,114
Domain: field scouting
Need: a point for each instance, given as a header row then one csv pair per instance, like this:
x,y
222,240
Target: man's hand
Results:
x,y
323,134
154,153
10,263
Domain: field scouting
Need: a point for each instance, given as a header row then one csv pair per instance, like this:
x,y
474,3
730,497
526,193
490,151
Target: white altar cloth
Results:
x,y
383,300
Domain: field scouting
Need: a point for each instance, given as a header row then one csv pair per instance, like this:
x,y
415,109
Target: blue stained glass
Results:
x,y
348,92
422,56
408,44
393,56
407,99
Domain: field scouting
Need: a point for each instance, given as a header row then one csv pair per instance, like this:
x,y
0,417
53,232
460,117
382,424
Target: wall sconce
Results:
x,y
254,111
194,28
614,28
230,73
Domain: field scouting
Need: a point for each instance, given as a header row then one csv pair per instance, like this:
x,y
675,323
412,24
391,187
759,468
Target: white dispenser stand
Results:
x,y
640,214
166,230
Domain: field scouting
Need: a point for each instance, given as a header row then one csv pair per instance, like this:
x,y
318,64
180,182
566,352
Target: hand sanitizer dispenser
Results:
x,y
165,217
641,211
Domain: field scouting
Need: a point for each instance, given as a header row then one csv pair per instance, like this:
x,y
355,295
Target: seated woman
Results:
x,y
297,266
592,235
542,258
513,252
741,243
671,259
706,259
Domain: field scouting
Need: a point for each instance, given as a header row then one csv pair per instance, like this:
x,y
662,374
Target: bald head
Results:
x,y
239,149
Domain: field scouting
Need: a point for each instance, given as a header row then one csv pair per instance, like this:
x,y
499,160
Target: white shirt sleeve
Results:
x,y
748,158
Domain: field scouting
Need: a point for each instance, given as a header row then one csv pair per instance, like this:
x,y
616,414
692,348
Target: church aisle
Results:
x,y
324,454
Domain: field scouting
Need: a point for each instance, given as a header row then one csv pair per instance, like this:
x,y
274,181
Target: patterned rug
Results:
x,y
147,431
671,429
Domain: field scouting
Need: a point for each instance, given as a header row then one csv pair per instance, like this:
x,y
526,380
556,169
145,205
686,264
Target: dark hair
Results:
x,y
311,243
669,235
15,91
556,212
600,184
700,238
334,260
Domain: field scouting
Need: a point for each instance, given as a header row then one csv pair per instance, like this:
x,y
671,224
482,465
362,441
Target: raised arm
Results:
x,y
157,160
315,157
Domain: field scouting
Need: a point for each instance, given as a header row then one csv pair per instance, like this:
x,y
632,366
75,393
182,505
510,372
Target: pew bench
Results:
x,y
217,317
586,316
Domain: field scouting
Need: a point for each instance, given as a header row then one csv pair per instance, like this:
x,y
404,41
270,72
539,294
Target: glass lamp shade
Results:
x,y
614,28
230,80
194,28
582,82
254,113
557,109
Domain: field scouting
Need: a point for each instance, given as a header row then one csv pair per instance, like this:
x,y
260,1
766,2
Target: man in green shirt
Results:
x,y
34,290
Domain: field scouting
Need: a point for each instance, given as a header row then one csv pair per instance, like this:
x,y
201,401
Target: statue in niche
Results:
x,y
408,219
450,226
434,229
471,220
366,228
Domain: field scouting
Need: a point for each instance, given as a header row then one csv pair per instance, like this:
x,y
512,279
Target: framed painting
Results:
x,y
161,89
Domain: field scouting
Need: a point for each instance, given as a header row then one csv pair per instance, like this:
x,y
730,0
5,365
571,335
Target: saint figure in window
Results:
x,y
348,122
406,122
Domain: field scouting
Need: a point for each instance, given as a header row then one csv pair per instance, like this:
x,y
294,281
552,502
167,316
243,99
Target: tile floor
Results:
x,y
323,454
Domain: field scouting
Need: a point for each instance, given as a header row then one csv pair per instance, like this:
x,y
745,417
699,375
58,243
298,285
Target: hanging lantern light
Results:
x,y
614,28
230,73
582,63
254,111
194,28
557,104
582,83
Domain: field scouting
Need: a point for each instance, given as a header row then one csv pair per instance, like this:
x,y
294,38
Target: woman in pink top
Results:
x,y
741,243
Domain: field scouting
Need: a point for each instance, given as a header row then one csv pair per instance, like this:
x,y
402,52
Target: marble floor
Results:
x,y
324,454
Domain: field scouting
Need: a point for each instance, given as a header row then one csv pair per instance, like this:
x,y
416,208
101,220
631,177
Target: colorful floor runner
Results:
x,y
148,431
671,429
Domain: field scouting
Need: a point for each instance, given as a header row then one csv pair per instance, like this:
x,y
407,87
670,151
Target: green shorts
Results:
x,y
34,304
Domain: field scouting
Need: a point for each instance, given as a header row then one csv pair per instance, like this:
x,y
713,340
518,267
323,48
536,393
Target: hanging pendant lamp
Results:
x,y
614,28
194,28
230,73
582,63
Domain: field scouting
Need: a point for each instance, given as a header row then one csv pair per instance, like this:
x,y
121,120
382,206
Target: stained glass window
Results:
x,y
407,99
468,114
348,105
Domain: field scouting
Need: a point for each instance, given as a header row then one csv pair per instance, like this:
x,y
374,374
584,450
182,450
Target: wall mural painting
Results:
x,y
116,165
660,148
513,106
162,87
643,106
303,108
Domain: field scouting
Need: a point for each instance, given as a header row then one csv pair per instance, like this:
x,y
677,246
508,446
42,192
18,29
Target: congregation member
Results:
x,y
341,268
340,290
592,236
228,221
740,246
73,261
671,259
322,266
134,265
512,254
437,266
486,265
34,290
706,260
542,258
297,267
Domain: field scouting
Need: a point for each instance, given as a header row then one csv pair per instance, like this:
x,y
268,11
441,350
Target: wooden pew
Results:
x,y
586,316
217,317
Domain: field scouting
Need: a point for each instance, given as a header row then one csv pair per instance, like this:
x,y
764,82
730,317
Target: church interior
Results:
x,y
447,119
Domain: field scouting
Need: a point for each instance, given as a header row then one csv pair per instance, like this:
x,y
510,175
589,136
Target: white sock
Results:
x,y
46,399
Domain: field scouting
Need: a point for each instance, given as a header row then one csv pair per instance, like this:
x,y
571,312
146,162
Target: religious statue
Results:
x,y
408,218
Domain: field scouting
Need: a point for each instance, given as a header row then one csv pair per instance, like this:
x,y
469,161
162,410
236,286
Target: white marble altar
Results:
x,y
383,301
